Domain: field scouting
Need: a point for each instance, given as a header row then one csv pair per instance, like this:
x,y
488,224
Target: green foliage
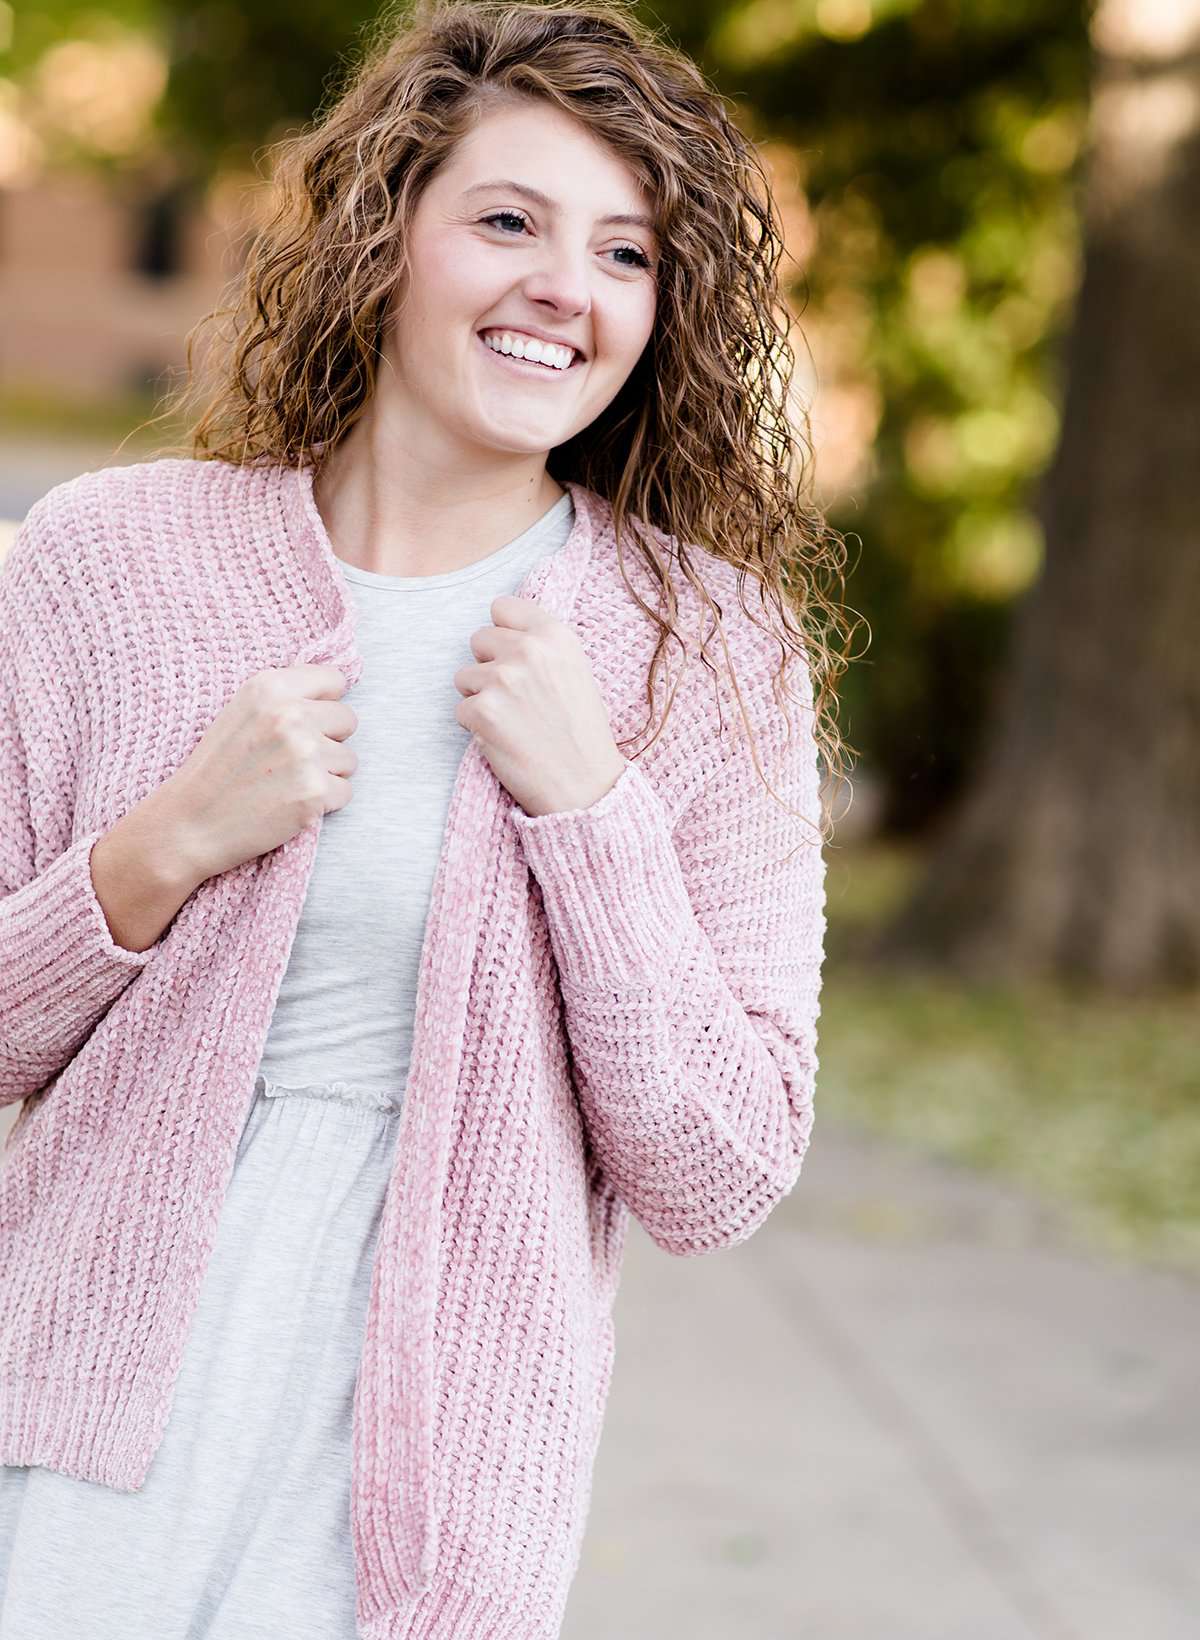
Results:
x,y
39,25
939,146
1093,1107
242,75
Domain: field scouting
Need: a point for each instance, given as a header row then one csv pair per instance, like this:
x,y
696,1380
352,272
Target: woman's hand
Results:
x,y
274,759
532,703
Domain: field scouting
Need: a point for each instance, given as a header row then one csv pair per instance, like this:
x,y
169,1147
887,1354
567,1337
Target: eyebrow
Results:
x,y
634,219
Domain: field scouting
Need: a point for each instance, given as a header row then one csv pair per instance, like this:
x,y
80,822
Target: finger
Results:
x,y
469,680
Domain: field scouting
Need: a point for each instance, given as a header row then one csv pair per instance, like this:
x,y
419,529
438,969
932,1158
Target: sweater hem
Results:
x,y
92,1431
453,1611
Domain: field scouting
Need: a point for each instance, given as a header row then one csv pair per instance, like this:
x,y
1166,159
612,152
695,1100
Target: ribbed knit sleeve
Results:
x,y
690,964
60,969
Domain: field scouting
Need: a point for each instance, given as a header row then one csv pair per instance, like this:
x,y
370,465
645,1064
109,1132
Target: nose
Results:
x,y
561,282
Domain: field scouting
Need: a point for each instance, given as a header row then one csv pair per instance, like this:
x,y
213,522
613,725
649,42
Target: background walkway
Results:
x,y
906,1409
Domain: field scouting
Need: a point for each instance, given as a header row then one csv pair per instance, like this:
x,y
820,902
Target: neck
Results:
x,y
389,510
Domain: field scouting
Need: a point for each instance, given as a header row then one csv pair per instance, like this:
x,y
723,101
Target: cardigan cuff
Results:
x,y
62,966
612,886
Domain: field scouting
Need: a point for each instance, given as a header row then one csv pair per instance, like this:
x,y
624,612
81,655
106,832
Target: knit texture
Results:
x,y
616,1013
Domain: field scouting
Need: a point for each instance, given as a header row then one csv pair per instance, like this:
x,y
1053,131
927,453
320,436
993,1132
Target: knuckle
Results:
x,y
264,687
281,725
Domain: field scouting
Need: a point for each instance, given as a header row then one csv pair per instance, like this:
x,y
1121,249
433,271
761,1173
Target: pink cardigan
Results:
x,y
616,1013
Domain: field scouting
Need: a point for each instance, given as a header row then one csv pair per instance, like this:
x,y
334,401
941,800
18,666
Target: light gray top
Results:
x,y
345,1008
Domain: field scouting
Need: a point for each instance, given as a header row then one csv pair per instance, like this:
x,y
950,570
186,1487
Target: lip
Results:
x,y
528,367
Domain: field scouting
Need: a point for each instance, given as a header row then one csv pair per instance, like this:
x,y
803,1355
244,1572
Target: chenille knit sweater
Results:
x,y
616,1013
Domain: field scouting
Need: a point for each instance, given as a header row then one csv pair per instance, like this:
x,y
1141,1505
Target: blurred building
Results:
x,y
99,284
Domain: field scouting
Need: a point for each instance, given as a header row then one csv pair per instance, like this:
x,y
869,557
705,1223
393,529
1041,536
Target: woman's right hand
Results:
x,y
272,761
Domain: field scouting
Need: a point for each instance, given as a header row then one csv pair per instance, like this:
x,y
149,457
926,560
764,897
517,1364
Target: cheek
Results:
x,y
455,278
649,308
637,317
627,328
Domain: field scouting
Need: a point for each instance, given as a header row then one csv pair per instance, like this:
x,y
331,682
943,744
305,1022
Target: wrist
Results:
x,y
170,849
583,796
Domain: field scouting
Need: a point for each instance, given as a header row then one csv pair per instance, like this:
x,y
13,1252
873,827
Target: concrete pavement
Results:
x,y
909,1408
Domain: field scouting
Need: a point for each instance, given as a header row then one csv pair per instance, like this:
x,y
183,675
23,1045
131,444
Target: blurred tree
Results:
x,y
1076,852
934,145
236,75
242,75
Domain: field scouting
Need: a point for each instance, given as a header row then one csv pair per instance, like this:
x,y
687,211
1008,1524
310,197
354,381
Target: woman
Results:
x,y
314,1211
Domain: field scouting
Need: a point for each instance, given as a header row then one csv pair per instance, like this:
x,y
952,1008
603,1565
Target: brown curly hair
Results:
x,y
703,441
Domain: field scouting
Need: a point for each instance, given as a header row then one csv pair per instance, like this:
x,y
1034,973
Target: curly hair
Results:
x,y
704,441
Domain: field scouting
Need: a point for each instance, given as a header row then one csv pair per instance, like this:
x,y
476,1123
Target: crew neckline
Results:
x,y
468,572
553,580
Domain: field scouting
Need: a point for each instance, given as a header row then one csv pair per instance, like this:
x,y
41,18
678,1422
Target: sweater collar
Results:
x,y
553,582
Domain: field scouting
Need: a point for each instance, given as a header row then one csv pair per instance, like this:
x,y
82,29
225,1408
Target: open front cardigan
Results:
x,y
616,1013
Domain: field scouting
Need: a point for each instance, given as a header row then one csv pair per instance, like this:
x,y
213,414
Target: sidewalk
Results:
x,y
906,1409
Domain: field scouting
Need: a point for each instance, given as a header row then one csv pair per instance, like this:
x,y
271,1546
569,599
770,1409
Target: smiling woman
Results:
x,y
334,1113
560,171
520,312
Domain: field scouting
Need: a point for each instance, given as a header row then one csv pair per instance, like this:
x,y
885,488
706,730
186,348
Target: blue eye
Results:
x,y
641,260
512,216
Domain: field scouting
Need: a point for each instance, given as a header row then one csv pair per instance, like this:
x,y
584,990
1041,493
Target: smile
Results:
x,y
547,368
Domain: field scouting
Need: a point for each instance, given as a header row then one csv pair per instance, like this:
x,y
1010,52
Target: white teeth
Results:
x,y
529,347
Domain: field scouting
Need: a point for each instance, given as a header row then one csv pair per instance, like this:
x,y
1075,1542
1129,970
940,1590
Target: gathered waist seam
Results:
x,y
342,1092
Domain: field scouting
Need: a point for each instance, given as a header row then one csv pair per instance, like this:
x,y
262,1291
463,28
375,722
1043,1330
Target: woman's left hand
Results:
x,y
533,704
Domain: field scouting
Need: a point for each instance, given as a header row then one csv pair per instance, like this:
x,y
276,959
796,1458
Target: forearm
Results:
x,y
60,967
142,872
690,998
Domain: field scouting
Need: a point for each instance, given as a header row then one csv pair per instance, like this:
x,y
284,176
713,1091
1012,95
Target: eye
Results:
x,y
511,216
641,260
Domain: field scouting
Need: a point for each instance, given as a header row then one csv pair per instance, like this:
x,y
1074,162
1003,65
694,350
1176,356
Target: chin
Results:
x,y
519,441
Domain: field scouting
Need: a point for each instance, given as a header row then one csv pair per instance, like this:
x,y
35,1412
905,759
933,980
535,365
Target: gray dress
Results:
x,y
242,1529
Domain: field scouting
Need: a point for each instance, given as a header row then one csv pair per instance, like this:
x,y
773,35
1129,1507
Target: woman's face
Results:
x,y
488,257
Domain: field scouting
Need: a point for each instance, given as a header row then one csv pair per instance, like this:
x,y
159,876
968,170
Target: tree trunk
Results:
x,y
1075,854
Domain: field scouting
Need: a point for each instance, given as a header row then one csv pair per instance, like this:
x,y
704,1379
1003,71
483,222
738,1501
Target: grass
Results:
x,y
42,413
1090,1104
